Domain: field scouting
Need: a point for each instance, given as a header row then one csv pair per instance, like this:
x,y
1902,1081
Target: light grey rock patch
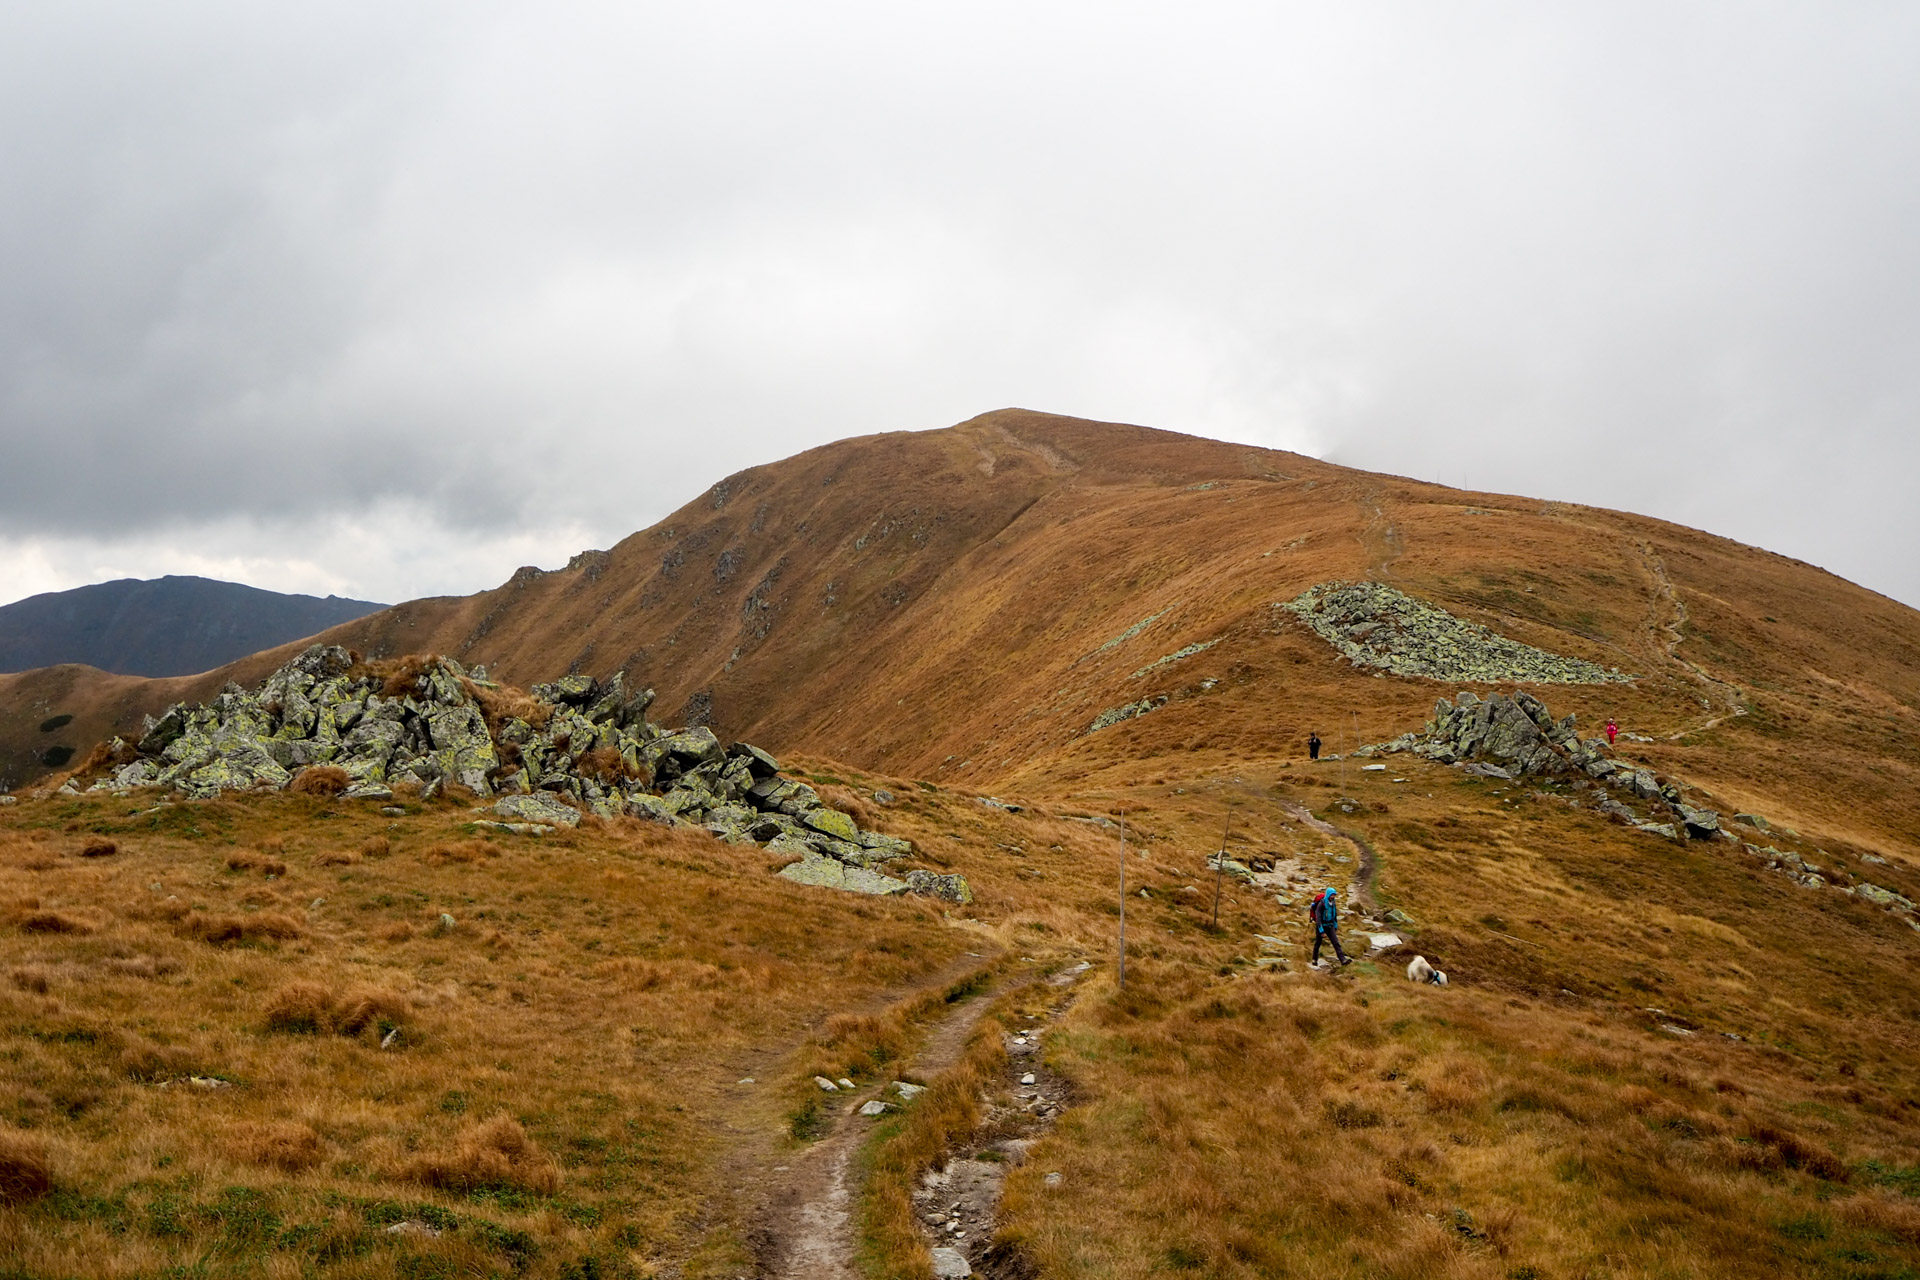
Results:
x,y
1376,626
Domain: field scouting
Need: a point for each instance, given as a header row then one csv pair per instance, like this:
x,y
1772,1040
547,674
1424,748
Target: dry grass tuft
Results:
x,y
99,847
144,1060
501,703
252,860
468,851
308,1008
285,1145
30,977
603,764
55,922
226,930
495,1155
337,858
301,1008
25,1171
376,847
321,780
140,966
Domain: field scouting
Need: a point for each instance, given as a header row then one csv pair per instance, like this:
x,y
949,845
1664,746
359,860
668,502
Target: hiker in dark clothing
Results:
x,y
1325,912
1313,746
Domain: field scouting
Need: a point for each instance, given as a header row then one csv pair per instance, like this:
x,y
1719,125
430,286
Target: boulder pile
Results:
x,y
1512,737
1376,626
544,758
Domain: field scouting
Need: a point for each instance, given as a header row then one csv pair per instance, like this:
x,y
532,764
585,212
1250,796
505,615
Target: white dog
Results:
x,y
1420,971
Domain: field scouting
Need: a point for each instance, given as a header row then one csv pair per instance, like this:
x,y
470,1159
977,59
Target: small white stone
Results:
x,y
873,1108
1027,1078
826,1085
950,1264
845,1083
1053,1179
746,1080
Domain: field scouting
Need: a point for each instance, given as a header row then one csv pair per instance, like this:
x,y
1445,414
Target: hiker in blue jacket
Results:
x,y
1325,912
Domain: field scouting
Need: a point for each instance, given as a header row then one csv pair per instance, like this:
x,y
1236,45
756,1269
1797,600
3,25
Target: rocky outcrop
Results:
x,y
1510,737
1376,626
545,758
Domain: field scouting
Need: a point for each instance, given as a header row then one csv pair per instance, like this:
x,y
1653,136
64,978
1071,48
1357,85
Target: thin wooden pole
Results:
x,y
1220,868
1123,899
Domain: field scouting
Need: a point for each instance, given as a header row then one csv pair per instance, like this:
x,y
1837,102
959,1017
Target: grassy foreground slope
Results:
x,y
1656,1058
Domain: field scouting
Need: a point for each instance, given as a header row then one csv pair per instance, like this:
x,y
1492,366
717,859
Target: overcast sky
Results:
x,y
388,299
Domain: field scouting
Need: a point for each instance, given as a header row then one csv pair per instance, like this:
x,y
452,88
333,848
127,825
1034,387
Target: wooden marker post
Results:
x,y
1123,899
1220,868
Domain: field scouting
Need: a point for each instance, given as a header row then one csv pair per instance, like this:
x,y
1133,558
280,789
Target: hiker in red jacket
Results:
x,y
1612,730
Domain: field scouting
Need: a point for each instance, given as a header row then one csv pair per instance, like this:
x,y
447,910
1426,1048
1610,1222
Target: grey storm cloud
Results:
x,y
385,298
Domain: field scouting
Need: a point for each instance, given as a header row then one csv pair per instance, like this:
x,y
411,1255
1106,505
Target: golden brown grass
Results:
x,y
492,1156
566,1055
267,864
321,780
288,1146
25,1171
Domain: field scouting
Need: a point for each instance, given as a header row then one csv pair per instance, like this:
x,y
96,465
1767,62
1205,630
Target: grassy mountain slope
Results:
x,y
1656,1057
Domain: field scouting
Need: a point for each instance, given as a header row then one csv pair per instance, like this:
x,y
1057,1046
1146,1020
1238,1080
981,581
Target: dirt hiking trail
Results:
x,y
806,1227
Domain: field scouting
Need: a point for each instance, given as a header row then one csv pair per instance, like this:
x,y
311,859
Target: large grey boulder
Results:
x,y
539,807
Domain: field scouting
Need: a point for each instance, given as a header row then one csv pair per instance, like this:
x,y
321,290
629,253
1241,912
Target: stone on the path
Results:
x,y
950,1264
1373,768
1383,941
873,1108
845,1083
1027,1078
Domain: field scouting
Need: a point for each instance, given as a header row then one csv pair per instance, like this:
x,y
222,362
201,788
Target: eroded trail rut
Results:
x,y
806,1229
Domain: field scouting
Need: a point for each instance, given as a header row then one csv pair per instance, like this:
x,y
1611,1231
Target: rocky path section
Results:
x,y
806,1229
958,1201
1379,627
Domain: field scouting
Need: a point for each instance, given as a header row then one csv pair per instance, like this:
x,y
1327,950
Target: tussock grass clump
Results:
x,y
30,977
494,1155
308,1008
254,860
229,930
501,703
337,858
146,1061
141,966
57,922
99,847
286,1145
321,780
26,1173
466,851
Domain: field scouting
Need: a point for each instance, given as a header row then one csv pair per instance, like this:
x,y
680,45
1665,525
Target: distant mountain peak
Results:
x,y
170,626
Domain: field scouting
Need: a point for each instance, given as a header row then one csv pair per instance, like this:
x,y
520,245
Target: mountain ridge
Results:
x,y
951,604
174,625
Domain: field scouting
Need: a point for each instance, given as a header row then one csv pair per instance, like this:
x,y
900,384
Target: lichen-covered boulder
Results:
x,y
952,888
537,807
